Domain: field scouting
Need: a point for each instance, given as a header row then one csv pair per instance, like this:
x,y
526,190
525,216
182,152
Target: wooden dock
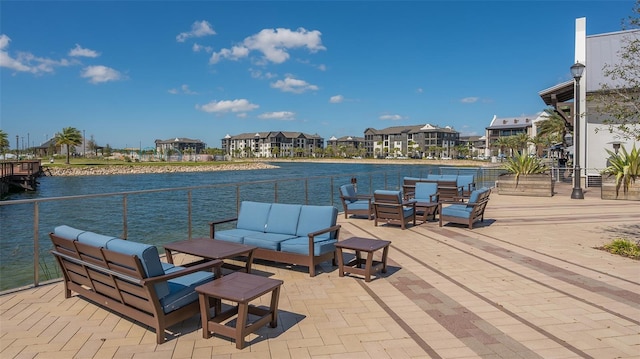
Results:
x,y
19,175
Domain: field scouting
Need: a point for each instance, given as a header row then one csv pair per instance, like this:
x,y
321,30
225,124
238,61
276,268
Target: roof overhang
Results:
x,y
559,93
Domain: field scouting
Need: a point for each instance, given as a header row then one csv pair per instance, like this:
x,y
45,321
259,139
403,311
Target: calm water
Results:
x,y
161,217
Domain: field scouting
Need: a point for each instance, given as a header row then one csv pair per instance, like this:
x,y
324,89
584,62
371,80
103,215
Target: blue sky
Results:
x,y
131,72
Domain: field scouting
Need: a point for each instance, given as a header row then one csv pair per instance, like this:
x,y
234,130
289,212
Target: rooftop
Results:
x,y
527,283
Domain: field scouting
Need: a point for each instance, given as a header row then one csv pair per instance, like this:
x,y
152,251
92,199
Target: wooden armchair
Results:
x,y
465,213
389,207
355,204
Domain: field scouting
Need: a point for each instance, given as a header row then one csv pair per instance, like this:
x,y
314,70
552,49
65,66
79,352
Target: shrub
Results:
x,y
625,166
623,247
522,164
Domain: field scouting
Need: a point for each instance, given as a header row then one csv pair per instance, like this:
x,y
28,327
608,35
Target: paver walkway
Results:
x,y
527,283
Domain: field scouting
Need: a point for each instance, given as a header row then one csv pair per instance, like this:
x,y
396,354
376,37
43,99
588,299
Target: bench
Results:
x,y
128,278
449,186
285,233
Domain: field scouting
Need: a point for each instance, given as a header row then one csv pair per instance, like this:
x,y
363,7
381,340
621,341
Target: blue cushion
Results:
x,y
453,178
424,190
67,232
147,254
389,192
182,290
411,179
465,181
360,204
457,210
300,245
348,190
407,211
267,240
433,177
283,218
253,215
475,194
315,218
234,235
168,267
95,239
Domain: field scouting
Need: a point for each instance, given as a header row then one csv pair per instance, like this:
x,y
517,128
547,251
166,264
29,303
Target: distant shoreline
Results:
x,y
134,168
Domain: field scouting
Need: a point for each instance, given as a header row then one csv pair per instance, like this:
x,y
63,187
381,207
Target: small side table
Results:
x,y
426,209
241,288
359,245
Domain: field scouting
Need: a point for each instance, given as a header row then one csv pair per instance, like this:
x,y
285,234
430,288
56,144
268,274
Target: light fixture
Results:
x,y
576,72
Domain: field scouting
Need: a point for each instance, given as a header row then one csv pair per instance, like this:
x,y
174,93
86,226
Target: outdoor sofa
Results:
x,y
128,278
286,233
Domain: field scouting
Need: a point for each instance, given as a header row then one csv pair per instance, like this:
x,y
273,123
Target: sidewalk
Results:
x,y
527,283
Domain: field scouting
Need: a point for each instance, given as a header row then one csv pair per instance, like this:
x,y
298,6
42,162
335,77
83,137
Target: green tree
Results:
x,y
4,142
554,127
619,100
70,136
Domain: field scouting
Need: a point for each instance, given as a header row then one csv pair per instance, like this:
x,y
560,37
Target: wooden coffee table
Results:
x,y
426,209
208,248
241,288
362,245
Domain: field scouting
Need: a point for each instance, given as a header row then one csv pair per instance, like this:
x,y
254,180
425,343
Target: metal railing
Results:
x,y
159,216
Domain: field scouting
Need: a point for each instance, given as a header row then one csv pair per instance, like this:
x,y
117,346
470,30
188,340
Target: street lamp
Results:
x,y
616,145
576,72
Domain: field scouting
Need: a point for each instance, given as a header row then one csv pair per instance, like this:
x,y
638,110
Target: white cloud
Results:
x,y
336,99
183,89
419,90
273,44
469,100
322,67
197,48
280,115
27,62
290,84
235,53
241,105
198,29
391,117
258,74
79,51
98,74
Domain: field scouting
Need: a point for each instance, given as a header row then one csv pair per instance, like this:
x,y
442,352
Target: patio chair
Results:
x,y
466,213
389,207
354,203
467,184
426,198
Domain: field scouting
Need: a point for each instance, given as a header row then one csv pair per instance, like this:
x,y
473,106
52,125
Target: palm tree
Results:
x,y
4,142
521,142
70,136
501,143
554,127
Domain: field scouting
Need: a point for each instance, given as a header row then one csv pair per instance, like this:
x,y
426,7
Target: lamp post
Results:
x,y
576,71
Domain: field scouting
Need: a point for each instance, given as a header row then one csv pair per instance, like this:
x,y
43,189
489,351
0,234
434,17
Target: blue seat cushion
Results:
x,y
267,240
234,235
149,257
457,210
389,192
300,245
315,218
453,178
283,218
465,181
348,191
95,239
253,215
67,232
360,204
182,290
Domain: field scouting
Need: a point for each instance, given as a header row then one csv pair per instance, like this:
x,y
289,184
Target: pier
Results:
x,y
19,175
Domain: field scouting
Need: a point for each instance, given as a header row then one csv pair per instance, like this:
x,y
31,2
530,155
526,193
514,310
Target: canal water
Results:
x,y
161,217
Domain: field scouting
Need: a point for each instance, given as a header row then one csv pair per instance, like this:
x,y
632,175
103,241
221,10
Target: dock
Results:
x,y
19,175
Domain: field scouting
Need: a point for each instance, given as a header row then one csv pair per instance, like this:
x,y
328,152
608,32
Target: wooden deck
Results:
x,y
526,283
19,175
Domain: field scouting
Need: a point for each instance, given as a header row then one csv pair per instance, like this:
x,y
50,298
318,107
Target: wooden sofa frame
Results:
x,y
117,282
447,189
477,211
287,257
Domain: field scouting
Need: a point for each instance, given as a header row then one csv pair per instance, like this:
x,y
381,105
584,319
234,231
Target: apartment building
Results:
x,y
411,141
345,146
180,145
272,144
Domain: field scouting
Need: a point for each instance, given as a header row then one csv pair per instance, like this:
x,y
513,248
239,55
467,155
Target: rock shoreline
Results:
x,y
106,170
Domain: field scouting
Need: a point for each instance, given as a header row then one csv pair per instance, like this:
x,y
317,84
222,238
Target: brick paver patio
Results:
x,y
527,283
